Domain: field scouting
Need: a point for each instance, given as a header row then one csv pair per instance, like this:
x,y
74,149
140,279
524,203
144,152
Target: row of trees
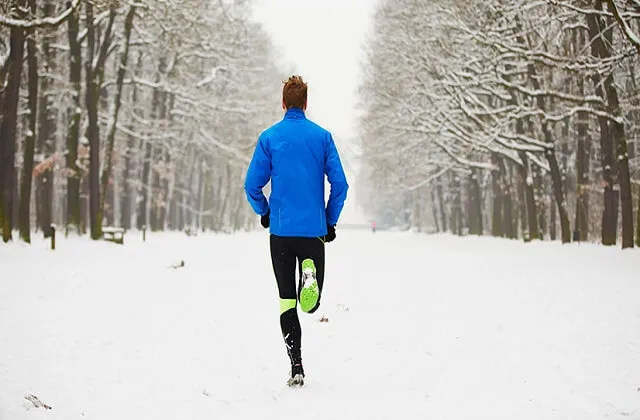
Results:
x,y
515,118
130,113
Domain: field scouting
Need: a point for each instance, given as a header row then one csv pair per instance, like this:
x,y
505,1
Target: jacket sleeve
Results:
x,y
337,181
258,175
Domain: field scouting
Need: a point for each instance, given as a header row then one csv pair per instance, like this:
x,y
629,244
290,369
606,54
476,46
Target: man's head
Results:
x,y
294,93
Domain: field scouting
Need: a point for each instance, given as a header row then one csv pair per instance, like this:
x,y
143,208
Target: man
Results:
x,y
296,154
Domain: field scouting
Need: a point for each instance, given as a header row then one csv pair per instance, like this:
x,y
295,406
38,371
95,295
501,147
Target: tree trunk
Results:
x,y
187,203
558,192
126,199
552,224
522,208
158,113
144,187
167,164
91,98
550,155
8,127
434,210
126,202
541,207
93,74
509,221
200,200
74,174
597,27
126,206
441,204
638,223
583,157
624,176
620,142
24,214
581,229
529,198
154,190
456,205
497,222
475,205
94,70
113,121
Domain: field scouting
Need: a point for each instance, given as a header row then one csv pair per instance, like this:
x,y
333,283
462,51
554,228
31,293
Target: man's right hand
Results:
x,y
264,220
331,234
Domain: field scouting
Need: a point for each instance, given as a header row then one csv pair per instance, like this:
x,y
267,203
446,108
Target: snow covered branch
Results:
x,y
43,22
633,38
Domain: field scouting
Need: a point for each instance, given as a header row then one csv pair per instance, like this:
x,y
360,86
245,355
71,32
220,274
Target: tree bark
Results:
x,y
74,173
91,98
111,134
8,126
24,214
552,224
167,163
497,222
581,229
550,155
441,205
509,221
529,198
475,205
93,74
46,132
434,210
127,190
620,142
143,191
541,207
638,223
158,114
456,205
610,215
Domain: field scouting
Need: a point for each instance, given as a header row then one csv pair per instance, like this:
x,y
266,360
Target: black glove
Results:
x,y
331,234
264,220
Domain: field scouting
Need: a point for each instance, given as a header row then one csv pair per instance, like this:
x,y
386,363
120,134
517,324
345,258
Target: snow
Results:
x,y
49,21
418,327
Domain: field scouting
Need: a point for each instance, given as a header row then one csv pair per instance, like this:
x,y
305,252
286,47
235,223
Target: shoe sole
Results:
x,y
310,292
296,381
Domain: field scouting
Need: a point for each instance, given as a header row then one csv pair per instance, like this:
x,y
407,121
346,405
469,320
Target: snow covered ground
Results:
x,y
418,327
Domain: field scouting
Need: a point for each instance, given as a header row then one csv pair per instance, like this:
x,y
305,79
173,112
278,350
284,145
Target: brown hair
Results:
x,y
294,93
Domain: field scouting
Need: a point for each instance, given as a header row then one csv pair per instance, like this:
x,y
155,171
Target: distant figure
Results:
x,y
373,227
296,154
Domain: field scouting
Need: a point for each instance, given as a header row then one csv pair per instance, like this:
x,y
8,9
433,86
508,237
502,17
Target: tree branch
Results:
x,y
51,22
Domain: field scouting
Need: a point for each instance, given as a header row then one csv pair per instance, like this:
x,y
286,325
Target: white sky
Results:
x,y
322,41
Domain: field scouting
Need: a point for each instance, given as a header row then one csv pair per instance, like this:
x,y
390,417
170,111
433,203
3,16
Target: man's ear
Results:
x,y
304,107
283,105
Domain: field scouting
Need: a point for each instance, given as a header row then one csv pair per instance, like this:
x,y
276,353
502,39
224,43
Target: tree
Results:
x,y
486,89
162,107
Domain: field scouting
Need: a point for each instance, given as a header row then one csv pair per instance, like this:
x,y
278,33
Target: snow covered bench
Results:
x,y
113,234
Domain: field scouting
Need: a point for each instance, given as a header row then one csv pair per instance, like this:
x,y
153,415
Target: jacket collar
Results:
x,y
294,114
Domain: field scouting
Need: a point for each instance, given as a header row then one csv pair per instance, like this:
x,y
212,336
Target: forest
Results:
x,y
516,119
132,113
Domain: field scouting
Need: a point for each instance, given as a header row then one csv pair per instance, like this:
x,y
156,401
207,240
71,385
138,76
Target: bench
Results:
x,y
113,234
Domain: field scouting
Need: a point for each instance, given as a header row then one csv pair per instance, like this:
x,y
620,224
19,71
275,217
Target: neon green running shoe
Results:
x,y
310,292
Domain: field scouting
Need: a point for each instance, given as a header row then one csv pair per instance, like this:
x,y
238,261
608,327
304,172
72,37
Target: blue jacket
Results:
x,y
296,154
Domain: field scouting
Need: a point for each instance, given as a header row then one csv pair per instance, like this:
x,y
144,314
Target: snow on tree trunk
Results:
x,y
8,126
113,119
24,213
74,173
